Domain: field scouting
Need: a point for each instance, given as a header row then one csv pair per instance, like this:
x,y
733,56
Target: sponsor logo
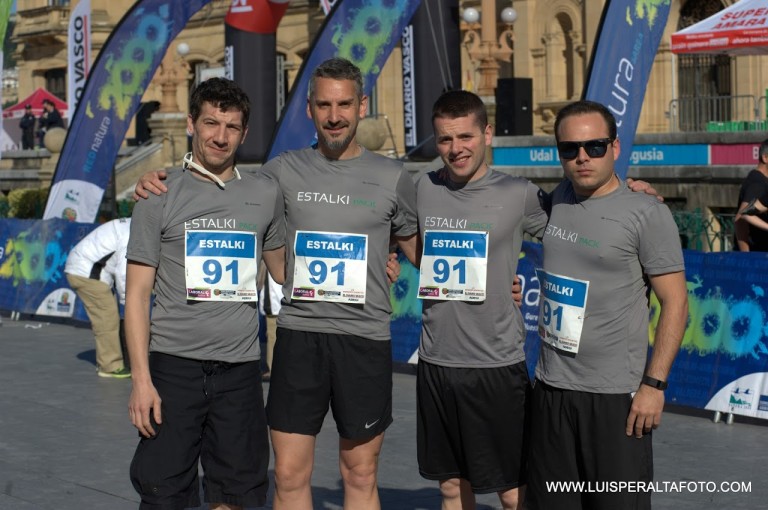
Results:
x,y
198,293
352,295
762,404
369,425
300,292
69,214
224,293
429,291
741,398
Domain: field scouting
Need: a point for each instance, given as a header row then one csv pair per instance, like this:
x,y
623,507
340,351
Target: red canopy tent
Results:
x,y
36,100
741,29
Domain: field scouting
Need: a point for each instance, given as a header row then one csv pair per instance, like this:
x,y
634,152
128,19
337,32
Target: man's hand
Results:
x,y
645,187
393,268
645,413
144,408
517,292
150,182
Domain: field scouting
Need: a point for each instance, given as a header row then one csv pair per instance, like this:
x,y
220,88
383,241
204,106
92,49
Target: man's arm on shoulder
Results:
x,y
648,403
144,401
639,186
150,182
275,262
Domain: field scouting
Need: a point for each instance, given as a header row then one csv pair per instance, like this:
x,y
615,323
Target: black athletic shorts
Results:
x,y
211,411
471,423
312,370
580,437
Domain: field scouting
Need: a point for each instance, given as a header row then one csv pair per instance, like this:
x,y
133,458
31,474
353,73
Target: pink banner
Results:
x,y
736,154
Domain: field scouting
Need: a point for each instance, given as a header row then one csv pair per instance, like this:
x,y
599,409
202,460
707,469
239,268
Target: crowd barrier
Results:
x,y
722,364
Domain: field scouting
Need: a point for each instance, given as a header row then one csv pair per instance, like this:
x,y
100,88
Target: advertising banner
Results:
x,y
32,258
723,361
362,31
78,52
619,72
250,38
112,94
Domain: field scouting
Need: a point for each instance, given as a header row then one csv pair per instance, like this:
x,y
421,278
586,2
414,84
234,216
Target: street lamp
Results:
x,y
483,48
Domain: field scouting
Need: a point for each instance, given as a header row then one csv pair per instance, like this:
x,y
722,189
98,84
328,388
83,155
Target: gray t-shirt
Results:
x,y
489,333
203,330
370,195
611,242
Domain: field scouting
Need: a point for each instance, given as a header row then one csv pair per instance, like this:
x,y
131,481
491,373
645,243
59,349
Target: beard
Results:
x,y
338,144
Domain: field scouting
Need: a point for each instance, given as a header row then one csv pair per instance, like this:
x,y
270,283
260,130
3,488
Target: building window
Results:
x,y
56,83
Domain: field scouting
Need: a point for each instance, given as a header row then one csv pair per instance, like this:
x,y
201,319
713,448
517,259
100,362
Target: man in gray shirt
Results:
x,y
597,397
342,205
196,376
472,381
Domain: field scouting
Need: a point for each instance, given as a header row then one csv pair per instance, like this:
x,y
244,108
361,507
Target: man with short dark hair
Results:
x,y
752,226
342,204
50,118
197,391
472,384
597,396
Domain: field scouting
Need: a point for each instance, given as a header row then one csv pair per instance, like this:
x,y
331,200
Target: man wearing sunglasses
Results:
x,y
597,397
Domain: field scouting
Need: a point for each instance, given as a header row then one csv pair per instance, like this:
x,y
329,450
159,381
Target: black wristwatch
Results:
x,y
654,383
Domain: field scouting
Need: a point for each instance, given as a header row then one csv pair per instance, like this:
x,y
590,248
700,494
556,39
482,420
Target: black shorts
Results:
x,y
580,436
471,424
213,411
312,370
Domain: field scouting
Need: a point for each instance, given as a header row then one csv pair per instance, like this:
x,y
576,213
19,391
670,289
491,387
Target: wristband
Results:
x,y
654,383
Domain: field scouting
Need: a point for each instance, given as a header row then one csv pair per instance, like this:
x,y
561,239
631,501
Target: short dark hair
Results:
x,y
48,101
763,152
460,103
222,93
583,108
337,68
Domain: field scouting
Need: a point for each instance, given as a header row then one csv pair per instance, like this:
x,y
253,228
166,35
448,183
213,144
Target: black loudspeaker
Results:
x,y
514,107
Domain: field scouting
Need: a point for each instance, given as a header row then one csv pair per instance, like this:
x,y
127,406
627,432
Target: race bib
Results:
x,y
454,265
220,265
562,310
330,266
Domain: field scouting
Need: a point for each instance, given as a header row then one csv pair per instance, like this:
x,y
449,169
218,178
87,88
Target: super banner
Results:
x,y
619,71
362,31
111,97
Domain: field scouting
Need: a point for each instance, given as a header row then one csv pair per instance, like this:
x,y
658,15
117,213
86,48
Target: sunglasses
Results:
x,y
594,148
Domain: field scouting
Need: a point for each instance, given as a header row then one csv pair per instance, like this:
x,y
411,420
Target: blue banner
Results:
x,y
723,361
32,258
118,79
619,71
642,155
362,31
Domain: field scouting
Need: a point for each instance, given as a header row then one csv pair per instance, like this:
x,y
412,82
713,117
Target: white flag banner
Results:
x,y
327,5
79,53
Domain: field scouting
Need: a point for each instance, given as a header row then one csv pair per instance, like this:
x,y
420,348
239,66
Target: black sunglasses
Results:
x,y
594,148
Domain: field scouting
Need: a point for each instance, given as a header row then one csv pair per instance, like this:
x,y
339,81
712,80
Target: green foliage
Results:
x,y
27,203
125,208
4,206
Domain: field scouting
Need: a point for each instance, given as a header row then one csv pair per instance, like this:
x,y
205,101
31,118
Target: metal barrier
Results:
x,y
705,231
717,113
